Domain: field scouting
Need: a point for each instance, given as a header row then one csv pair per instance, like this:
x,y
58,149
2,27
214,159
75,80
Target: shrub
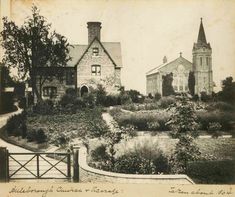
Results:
x,y
112,100
145,158
31,135
44,107
157,96
165,102
214,129
100,154
221,106
7,98
16,124
205,97
204,118
212,172
40,136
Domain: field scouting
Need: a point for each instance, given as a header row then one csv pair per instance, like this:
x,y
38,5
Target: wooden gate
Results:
x,y
39,166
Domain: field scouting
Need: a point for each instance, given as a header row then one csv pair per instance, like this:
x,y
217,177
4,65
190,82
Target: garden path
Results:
x,y
31,165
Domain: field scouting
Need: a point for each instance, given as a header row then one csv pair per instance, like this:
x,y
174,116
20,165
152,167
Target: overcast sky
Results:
x,y
147,30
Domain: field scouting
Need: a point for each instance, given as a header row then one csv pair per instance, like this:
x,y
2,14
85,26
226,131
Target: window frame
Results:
x,y
47,91
95,51
95,72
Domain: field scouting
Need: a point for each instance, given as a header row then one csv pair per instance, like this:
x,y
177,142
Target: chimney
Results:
x,y
93,31
164,60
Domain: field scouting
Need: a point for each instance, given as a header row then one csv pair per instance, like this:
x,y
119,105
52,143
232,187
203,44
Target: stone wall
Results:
x,y
84,75
88,174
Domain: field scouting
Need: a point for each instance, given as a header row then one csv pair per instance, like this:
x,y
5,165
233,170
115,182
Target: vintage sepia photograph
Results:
x,y
117,92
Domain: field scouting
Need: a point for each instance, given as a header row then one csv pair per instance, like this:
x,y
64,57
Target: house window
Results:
x,y
95,51
69,77
95,70
50,91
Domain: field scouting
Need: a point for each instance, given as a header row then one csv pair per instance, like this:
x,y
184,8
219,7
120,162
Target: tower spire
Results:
x,y
201,35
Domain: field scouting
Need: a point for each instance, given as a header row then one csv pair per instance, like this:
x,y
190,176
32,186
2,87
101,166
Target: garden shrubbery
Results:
x,y
212,172
142,121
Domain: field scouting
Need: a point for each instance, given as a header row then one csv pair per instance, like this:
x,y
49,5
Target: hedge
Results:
x,y
212,172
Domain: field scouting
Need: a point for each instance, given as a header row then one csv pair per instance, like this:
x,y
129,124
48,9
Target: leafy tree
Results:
x,y
34,50
228,91
167,88
184,126
191,83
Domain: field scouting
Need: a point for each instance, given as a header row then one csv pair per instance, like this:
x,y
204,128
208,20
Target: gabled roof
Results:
x,y
75,52
112,49
177,60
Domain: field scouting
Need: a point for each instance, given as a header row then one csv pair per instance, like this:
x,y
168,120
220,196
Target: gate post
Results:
x,y
75,166
4,169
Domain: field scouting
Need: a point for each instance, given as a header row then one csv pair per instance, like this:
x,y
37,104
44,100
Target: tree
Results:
x,y
34,50
167,88
184,126
191,83
228,91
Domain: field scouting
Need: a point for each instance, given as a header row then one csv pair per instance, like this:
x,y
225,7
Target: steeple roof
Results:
x,y
201,35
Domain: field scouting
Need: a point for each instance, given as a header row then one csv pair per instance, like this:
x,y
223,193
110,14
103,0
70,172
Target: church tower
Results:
x,y
202,64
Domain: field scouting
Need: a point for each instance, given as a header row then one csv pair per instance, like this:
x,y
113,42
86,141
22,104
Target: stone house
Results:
x,y
180,68
92,64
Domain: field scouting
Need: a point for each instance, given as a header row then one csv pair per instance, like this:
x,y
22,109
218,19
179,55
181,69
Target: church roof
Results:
x,y
201,35
176,61
112,48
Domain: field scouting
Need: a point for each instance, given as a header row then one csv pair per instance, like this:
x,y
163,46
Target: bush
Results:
x,y
204,118
145,158
165,102
157,96
221,106
44,107
100,154
212,172
16,125
205,97
214,129
40,136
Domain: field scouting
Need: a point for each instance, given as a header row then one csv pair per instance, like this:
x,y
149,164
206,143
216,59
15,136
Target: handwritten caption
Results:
x,y
43,192
201,191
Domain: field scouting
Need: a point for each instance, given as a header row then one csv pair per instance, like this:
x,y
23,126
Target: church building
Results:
x,y
201,66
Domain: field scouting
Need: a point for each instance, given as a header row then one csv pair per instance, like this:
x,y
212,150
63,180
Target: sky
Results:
x,y
147,29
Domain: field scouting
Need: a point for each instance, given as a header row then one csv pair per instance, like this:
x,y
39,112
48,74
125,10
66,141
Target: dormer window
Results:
x,y
95,51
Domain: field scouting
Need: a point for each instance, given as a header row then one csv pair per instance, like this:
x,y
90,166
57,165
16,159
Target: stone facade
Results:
x,y
92,64
180,67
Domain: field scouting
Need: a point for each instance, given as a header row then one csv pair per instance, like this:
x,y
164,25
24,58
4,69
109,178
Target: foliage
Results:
x,y
142,121
214,128
44,107
32,46
165,102
183,123
212,172
157,96
223,118
221,106
228,91
16,125
37,135
135,96
205,97
191,83
167,88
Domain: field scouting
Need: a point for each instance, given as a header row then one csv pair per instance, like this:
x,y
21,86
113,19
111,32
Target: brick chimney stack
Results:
x,y
93,31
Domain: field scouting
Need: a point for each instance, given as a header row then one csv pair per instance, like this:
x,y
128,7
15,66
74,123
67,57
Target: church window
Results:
x,y
69,77
201,61
95,70
95,51
207,61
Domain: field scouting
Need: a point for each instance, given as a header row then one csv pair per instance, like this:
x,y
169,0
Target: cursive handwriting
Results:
x,y
60,189
200,191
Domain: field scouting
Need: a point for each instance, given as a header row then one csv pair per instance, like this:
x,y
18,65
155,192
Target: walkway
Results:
x,y
44,165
